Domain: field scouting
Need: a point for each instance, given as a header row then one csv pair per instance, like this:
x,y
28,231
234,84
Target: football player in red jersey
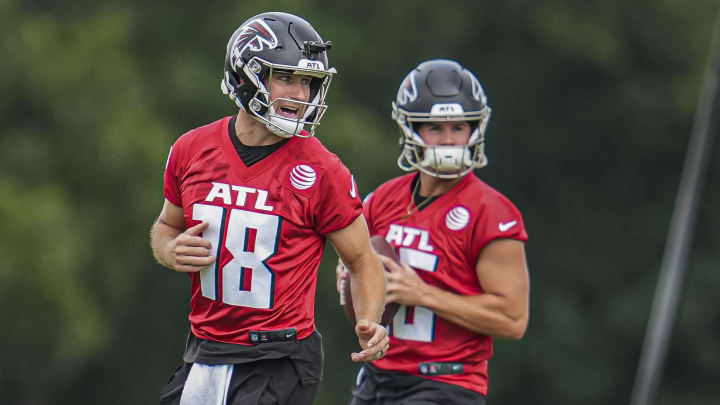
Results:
x,y
249,202
463,277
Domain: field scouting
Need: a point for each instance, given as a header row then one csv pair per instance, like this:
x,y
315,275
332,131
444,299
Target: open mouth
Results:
x,y
289,111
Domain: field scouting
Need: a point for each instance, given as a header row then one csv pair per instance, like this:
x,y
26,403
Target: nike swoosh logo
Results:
x,y
289,335
353,193
505,226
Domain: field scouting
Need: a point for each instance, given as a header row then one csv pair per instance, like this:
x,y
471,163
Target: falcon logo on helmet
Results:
x,y
477,90
255,35
408,90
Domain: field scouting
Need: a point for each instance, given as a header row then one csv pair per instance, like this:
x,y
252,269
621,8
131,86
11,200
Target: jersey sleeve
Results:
x,y
339,203
171,186
499,219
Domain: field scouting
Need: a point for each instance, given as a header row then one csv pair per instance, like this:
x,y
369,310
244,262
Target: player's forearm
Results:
x,y
487,314
161,234
367,282
367,277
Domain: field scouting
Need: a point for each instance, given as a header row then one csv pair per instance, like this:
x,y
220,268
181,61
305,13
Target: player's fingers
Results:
x,y
183,250
357,357
364,329
407,268
390,264
186,268
394,287
341,285
393,277
189,240
379,334
385,346
195,260
382,347
383,352
341,291
341,272
362,326
197,229
368,354
372,353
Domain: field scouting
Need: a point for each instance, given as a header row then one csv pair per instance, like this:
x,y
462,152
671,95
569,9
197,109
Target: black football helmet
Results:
x,y
441,90
277,42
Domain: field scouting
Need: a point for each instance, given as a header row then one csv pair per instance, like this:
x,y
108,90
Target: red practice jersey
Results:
x,y
442,243
267,226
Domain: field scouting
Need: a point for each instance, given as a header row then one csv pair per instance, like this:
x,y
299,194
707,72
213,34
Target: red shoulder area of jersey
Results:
x,y
313,151
391,190
391,186
307,160
184,150
206,135
503,219
388,203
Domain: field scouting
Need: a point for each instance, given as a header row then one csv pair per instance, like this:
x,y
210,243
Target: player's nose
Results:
x,y
447,136
298,91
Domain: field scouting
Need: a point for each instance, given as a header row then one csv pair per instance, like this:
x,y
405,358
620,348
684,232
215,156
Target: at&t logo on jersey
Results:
x,y
457,218
302,177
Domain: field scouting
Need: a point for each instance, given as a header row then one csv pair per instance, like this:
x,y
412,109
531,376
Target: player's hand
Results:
x,y
404,285
341,276
373,339
189,252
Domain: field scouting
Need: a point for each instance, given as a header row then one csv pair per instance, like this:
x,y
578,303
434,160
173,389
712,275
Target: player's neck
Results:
x,y
252,132
431,186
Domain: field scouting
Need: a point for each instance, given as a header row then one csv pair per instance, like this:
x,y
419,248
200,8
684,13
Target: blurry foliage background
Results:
x,y
592,108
